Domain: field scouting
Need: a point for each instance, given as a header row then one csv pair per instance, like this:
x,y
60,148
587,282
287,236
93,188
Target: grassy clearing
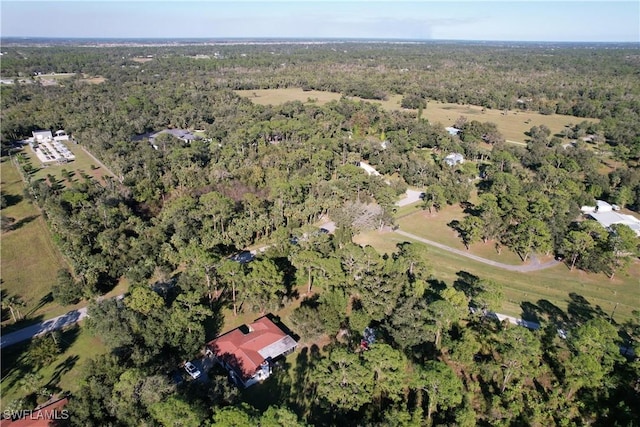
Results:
x,y
63,373
280,96
94,80
29,258
433,226
54,76
554,284
512,125
83,163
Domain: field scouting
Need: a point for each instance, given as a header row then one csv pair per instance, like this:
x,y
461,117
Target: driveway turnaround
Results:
x,y
534,266
411,196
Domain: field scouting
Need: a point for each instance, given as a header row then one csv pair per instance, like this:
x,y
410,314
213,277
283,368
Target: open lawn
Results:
x,y
433,226
93,80
63,374
280,96
512,124
83,164
29,258
561,287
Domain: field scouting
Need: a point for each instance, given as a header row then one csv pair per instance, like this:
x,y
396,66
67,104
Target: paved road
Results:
x,y
533,266
24,334
43,327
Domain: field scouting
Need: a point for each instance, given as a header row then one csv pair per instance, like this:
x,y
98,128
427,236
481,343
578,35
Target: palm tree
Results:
x,y
13,303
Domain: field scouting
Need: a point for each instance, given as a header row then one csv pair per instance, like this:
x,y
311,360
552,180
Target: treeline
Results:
x,y
529,201
548,79
261,169
432,360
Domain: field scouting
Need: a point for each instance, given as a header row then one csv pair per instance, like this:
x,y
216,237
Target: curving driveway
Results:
x,y
533,266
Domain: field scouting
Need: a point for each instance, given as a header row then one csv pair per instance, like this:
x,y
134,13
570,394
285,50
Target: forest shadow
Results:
x,y
289,272
5,313
12,200
274,391
17,361
455,225
24,221
46,299
436,286
467,283
68,337
553,313
530,311
580,310
62,368
106,283
469,208
15,364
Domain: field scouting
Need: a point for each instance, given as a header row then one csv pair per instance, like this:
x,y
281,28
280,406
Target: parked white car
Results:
x,y
192,370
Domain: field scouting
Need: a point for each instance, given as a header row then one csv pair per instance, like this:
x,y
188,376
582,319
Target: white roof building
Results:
x,y
452,131
454,159
606,215
42,135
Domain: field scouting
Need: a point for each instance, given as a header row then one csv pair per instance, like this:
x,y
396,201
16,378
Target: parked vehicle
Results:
x,y
192,370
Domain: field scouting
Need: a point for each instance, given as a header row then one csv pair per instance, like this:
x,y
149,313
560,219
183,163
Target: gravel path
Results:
x,y
535,265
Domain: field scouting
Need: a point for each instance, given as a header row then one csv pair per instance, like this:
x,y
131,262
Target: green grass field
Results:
x,y
433,226
29,258
554,284
63,374
512,125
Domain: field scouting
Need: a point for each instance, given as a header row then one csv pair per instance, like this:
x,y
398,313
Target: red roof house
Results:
x,y
49,414
246,352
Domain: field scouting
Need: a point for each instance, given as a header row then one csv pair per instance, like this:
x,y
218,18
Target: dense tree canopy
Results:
x,y
174,221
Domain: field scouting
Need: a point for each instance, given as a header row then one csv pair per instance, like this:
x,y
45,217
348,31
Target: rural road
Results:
x,y
534,266
43,327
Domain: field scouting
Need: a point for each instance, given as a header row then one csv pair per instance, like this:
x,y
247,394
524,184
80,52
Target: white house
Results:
x,y
42,135
454,159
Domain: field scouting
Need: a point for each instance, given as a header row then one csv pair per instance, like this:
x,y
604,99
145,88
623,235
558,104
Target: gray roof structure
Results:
x,y
608,218
182,134
282,346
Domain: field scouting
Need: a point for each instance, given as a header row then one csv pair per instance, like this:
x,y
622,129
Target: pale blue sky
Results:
x,y
526,20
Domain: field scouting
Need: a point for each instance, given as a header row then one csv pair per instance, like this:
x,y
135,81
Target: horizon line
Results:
x,y
305,38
